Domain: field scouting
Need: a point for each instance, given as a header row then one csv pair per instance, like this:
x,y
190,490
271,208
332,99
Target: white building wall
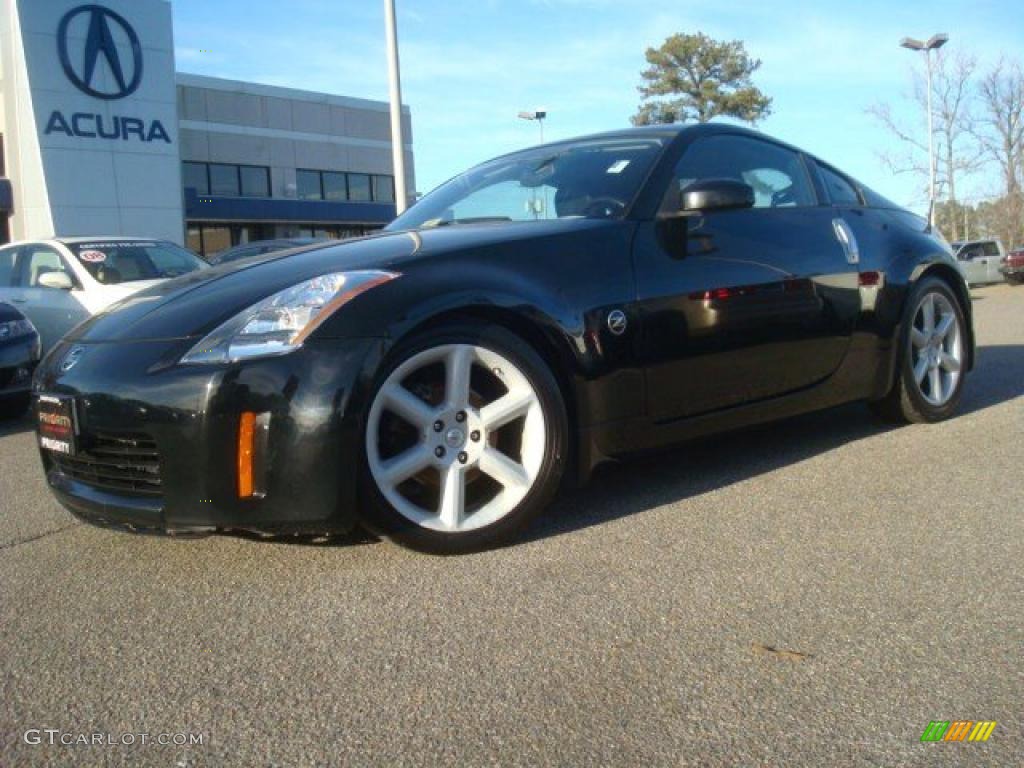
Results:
x,y
17,123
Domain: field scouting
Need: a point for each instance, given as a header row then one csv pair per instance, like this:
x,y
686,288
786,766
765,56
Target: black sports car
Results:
x,y
537,315
20,350
260,247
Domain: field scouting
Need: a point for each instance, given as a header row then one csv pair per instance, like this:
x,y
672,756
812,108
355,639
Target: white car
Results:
x,y
59,283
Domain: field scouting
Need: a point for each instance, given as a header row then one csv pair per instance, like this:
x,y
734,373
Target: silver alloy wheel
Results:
x,y
458,437
936,348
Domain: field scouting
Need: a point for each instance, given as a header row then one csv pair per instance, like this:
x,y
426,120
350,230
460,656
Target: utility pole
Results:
x,y
395,88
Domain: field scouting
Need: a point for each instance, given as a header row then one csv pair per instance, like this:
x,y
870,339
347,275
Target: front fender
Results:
x,y
556,291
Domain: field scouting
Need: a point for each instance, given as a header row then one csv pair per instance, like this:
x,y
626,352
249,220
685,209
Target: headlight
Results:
x,y
280,323
12,329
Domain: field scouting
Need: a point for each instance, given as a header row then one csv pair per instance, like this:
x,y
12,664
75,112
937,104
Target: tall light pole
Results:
x,y
395,88
539,116
932,44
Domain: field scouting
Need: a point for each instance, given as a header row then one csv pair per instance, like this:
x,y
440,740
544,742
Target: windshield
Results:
x,y
587,179
124,261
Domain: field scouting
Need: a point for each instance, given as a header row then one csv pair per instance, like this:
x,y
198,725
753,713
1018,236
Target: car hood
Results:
x,y
195,304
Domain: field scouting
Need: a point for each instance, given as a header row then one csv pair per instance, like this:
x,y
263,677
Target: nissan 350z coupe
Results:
x,y
529,319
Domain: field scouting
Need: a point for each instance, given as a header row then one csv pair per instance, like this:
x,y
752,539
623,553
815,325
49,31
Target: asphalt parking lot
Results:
x,y
809,593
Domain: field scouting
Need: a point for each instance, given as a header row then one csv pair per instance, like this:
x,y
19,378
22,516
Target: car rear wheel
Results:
x,y
932,357
465,440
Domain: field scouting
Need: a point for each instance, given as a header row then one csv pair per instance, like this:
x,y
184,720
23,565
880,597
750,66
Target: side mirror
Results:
x,y
56,279
717,195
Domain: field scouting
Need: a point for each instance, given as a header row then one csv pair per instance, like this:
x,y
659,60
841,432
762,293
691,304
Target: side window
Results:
x,y
991,248
7,273
36,261
840,191
776,173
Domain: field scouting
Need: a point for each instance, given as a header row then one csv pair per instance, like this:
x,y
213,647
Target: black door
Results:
x,y
743,305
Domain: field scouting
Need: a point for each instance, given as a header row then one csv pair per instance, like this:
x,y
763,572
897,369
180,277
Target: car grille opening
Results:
x,y
128,463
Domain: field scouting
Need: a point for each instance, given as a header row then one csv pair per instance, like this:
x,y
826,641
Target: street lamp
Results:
x,y
539,116
395,87
932,44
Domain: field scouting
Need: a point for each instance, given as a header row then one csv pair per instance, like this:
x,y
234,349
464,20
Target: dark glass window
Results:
x,y
7,272
359,187
335,187
194,238
194,175
840,191
255,181
308,184
384,189
36,260
776,174
224,180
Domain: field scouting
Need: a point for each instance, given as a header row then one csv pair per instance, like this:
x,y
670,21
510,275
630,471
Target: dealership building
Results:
x,y
99,135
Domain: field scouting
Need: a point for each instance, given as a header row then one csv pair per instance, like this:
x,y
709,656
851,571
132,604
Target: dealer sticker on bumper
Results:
x,y
57,424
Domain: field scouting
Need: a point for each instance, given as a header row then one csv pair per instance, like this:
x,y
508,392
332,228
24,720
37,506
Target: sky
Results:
x,y
469,66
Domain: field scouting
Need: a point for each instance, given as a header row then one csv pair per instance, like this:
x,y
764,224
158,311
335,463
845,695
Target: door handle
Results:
x,y
846,239
18,300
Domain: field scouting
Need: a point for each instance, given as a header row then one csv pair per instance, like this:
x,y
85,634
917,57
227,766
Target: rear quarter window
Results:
x,y
840,191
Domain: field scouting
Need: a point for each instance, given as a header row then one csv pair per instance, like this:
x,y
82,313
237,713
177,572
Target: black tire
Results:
x,y
381,518
904,403
14,406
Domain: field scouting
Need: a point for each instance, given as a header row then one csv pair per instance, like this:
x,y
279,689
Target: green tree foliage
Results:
x,y
694,77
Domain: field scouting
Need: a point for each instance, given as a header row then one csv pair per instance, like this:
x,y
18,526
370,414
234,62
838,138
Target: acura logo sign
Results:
x,y
100,43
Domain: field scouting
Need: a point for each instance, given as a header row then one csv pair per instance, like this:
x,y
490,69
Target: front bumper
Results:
x,y
310,402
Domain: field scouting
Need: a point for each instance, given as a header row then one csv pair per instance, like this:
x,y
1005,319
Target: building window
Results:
x,y
359,187
194,175
224,180
384,189
335,186
194,238
255,180
308,184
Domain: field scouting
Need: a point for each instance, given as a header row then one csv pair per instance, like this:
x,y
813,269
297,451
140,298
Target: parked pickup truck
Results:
x,y
1013,266
981,260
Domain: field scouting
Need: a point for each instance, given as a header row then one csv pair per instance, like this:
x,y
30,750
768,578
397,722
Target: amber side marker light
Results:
x,y
246,445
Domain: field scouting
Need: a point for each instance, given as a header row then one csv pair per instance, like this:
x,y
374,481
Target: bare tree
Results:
x,y
956,150
1000,131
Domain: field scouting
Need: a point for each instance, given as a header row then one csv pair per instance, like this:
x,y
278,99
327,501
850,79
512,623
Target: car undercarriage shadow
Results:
x,y
12,425
691,469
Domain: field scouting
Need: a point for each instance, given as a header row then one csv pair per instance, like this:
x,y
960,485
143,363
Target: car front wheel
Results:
x,y
465,440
